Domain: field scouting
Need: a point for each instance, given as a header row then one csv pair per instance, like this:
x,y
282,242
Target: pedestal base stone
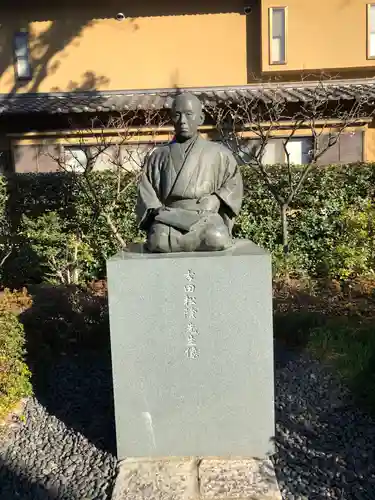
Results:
x,y
156,480
238,479
189,479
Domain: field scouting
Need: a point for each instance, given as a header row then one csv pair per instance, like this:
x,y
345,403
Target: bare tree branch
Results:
x,y
269,113
5,257
115,145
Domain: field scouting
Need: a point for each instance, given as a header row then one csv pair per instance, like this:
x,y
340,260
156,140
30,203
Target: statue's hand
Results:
x,y
156,211
209,203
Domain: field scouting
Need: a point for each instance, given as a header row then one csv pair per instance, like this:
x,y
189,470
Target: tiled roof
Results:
x,y
98,101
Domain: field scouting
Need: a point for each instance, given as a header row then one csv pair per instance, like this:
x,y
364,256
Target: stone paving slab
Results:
x,y
156,480
238,479
195,479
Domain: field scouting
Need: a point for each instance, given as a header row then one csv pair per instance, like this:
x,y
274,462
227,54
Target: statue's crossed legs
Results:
x,y
208,234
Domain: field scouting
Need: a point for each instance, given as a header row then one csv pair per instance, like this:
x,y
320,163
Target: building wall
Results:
x,y
321,34
36,152
370,143
80,45
164,44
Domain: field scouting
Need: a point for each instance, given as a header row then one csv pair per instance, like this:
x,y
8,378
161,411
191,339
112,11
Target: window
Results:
x,y
277,26
348,148
21,54
75,158
371,31
298,149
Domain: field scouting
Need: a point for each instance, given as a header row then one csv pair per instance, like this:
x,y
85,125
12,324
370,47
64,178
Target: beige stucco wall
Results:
x,y
321,34
79,46
370,143
196,43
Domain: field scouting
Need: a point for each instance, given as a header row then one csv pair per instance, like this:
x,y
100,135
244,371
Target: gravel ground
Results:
x,y
326,445
65,449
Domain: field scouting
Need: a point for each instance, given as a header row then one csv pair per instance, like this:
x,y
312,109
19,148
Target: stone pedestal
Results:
x,y
192,353
206,479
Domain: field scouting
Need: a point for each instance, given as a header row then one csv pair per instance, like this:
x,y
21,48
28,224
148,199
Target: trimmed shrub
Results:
x,y
14,373
325,240
60,235
63,254
72,317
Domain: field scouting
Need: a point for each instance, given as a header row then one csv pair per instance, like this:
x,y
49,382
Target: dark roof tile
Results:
x,y
95,101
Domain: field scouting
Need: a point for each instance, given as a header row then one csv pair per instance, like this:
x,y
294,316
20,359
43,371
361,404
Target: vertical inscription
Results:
x,y
190,311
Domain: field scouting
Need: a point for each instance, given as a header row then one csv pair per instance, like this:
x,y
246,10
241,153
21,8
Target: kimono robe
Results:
x,y
176,176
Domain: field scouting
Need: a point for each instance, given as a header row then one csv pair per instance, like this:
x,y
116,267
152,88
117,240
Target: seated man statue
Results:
x,y
190,190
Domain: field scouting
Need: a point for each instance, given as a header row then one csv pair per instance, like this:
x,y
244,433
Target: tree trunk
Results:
x,y
284,226
115,232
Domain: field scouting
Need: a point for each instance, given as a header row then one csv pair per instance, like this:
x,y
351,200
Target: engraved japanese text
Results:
x,y
190,312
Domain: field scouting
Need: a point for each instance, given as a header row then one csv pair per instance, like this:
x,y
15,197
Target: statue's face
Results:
x,y
187,116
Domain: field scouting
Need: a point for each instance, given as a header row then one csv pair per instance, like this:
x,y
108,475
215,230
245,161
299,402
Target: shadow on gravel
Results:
x,y
68,350
325,443
17,484
283,355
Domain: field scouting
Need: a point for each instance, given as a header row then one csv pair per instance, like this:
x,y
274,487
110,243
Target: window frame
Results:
x,y
25,36
270,35
368,30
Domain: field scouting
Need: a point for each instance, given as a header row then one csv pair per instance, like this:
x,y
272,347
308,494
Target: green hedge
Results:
x,y
52,218
331,220
14,373
331,224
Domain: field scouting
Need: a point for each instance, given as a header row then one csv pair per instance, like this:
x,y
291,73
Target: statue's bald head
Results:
x,y
187,97
187,115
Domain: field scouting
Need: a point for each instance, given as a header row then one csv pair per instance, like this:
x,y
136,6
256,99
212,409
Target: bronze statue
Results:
x,y
190,190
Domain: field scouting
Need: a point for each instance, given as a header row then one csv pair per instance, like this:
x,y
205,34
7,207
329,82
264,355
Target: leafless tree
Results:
x,y
271,111
121,144
6,241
